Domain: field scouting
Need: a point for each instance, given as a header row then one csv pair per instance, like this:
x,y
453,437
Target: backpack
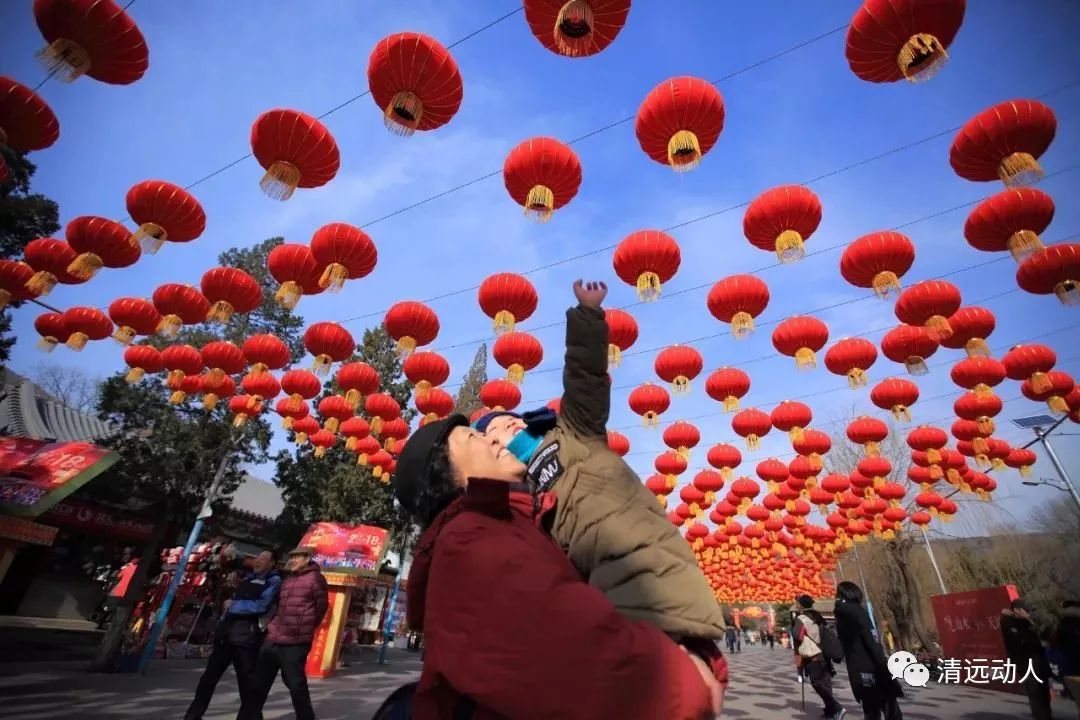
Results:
x,y
826,639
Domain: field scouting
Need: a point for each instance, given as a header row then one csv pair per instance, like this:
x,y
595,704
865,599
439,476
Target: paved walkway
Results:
x,y
763,688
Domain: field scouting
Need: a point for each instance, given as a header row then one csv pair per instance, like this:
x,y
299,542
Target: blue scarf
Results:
x,y
524,445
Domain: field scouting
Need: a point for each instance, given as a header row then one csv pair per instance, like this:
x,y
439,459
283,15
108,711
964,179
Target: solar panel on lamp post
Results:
x,y
1042,426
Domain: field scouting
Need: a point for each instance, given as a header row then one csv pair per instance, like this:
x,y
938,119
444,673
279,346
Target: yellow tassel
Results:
x,y
726,473
662,499
177,397
215,375
1023,243
772,485
295,403
280,180
150,237
540,203
287,422
856,378
683,151
742,325
423,388
796,434
1057,405
872,448
916,365
753,442
789,247
984,425
1020,169
170,325
614,355
648,286
680,385
210,401
515,373
672,481
85,266
503,322
239,420
406,346
983,390
361,460
124,335
322,364
41,283
731,403
933,455
940,325
78,341
980,446
135,375
886,283
1040,382
573,28
350,443
376,425
650,419
320,451
901,412
301,438
921,57
377,471
5,298
404,113
1025,470
977,347
64,58
389,445
288,294
805,359
221,311
1068,292
331,424
333,277
353,397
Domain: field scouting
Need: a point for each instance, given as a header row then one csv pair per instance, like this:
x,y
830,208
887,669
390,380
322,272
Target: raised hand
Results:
x,y
590,294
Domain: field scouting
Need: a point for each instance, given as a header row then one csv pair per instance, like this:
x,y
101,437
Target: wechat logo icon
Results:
x,y
904,666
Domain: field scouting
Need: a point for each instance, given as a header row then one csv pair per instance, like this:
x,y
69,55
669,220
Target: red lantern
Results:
x,y
851,357
179,305
876,468
646,259
1061,384
394,433
724,458
980,408
334,410
791,417
773,472
801,337
295,149
412,324
878,261
415,82
381,408
261,386
670,464
1030,362
223,358
893,39
542,175
517,353
14,277
910,345
50,259
781,220
970,431
1011,220
618,443
500,395
813,444
142,359
133,316
680,121
99,243
186,386
979,374
294,268
164,212
727,385
1056,270
678,365
329,343
435,404
342,252
868,432
230,290
306,426
709,482
96,38
622,334
264,352
507,299
970,328
358,379
1004,142
1021,459
682,437
354,429
649,401
738,299
214,390
27,123
322,441
929,303
752,425
181,361
290,413
576,28
86,323
928,439
426,370
300,385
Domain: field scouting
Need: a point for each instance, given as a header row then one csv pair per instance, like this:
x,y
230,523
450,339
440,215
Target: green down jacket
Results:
x,y
607,522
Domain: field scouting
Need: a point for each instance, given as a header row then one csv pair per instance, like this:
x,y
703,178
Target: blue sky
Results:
x,y
214,67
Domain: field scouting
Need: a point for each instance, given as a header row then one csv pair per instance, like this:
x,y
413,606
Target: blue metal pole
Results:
x,y
388,626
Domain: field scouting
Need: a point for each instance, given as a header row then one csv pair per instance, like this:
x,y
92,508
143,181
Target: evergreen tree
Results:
x,y
467,400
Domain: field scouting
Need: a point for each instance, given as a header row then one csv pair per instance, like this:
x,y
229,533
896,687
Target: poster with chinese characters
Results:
x,y
35,475
972,646
348,549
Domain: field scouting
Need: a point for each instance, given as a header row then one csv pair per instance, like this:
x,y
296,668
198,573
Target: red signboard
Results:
x,y
95,519
27,531
35,475
347,549
969,625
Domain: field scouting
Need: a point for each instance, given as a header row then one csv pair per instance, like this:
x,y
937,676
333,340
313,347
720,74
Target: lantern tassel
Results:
x,y
985,425
753,442
149,237
731,403
683,151
406,346
332,424
1040,383
886,283
789,247
614,355
124,335
977,347
573,28
1025,470
333,277
1020,169
170,325
515,373
921,57
916,365
85,266
1023,243
322,364
210,401
221,311
856,378
177,397
1057,405
1068,292
301,438
353,397
287,422
648,286
47,344
288,294
280,180
940,325
680,385
404,113
78,341
742,325
980,446
805,359
41,283
64,58
540,203
503,322
135,375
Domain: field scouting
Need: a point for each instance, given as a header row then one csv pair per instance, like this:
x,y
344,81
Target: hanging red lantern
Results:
x,y
868,432
781,220
971,432
649,401
738,299
353,429
295,269
179,305
304,427
50,259
334,410
394,433
773,473
517,353
928,439
878,261
979,374
435,404
1056,270
164,212
751,424
342,252
851,357
1004,142
358,380
86,323
618,443
260,387
836,484
142,359
542,175
264,352
426,370
290,413
322,441
99,242
96,38
329,343
670,464
1030,362
500,395
709,482
365,448
1061,384
27,123
727,385
679,121
214,390
415,82
185,387
381,408
791,416
222,358
999,451
970,328
230,290
813,445
801,337
678,365
576,28
299,385
622,334
507,299
910,345
133,317
181,361
980,408
724,458
412,324
694,499
889,40
929,303
647,259
682,437
876,468
1021,459
295,149
14,277
1011,220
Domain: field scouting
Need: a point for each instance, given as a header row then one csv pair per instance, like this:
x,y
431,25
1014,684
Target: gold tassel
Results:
x,y
983,390
321,366
1068,292
288,294
940,325
64,58
731,403
977,347
332,424
540,203
376,425
333,277
320,451
350,443
805,359
5,298
280,180
916,365
215,375
789,247
210,401
221,311
980,446
361,460
648,286
423,388
404,113
239,420
1025,470
726,473
796,434
683,151
1040,382
772,486
901,412
573,28
405,346
921,58
41,283
1057,405
170,325
662,499
933,455
515,373
504,322
672,481
1020,169
983,461
742,325
124,335
856,378
997,463
984,425
680,385
301,438
353,397
872,448
150,237
886,283
177,397
1023,243
287,422
683,452
614,355
135,375
85,266
295,403
78,341
753,442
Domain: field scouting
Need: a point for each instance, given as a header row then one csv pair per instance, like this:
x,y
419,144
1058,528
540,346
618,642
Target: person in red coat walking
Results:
x,y
511,630
302,602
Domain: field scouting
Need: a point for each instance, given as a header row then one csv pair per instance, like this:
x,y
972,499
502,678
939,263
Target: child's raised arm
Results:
x,y
586,401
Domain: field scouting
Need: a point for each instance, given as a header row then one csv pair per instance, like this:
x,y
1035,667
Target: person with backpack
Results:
x,y
816,647
871,682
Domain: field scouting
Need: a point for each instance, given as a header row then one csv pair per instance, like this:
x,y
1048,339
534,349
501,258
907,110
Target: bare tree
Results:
x,y
70,385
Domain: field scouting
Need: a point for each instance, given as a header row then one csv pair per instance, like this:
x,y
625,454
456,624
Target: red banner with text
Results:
x,y
35,475
969,625
347,549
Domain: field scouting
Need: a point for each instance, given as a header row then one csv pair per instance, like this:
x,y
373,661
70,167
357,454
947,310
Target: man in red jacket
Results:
x,y
302,602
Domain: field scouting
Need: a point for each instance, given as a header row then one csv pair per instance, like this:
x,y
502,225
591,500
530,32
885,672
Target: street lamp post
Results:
x,y
1036,424
933,561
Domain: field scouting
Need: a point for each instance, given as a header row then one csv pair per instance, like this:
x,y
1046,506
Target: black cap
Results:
x,y
805,601
415,457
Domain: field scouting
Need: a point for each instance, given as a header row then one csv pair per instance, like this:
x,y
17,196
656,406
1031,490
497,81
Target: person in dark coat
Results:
x,y
1025,649
302,603
510,628
730,635
1067,643
809,657
239,633
871,682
